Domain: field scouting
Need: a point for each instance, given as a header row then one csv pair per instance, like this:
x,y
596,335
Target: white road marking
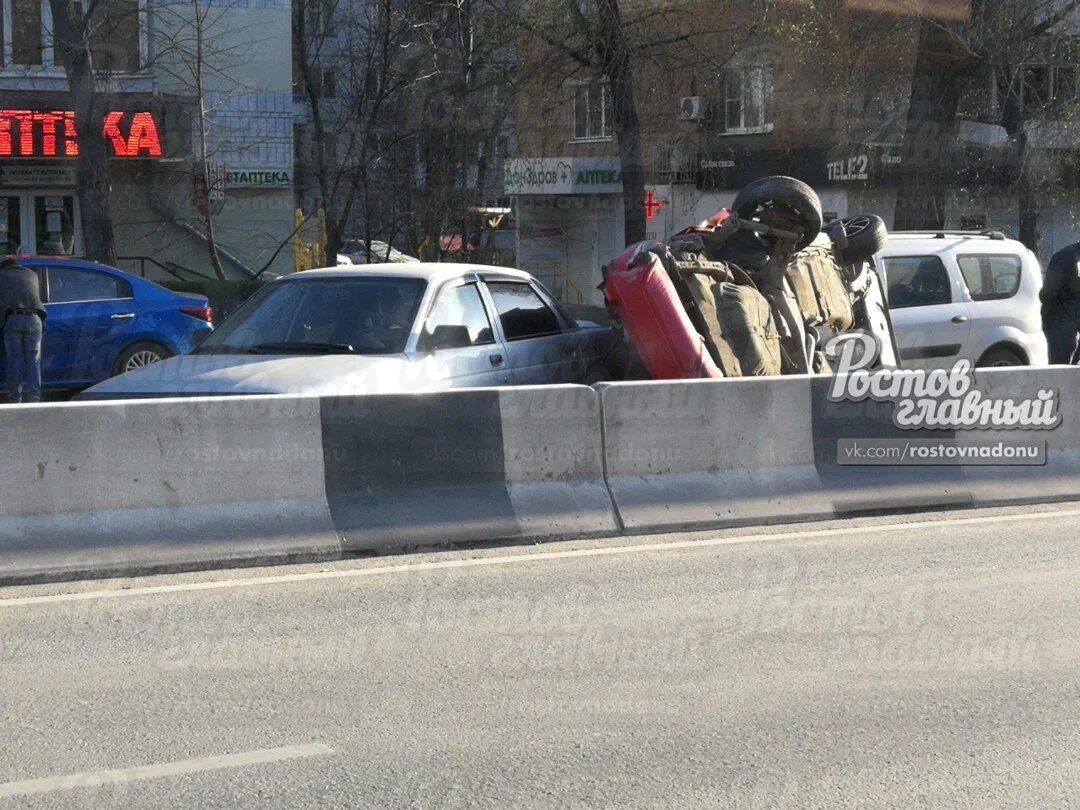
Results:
x,y
187,766
509,559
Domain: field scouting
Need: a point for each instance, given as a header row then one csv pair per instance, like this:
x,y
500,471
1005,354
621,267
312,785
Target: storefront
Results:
x,y
39,207
570,216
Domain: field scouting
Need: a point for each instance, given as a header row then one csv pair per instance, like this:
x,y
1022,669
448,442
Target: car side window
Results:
x,y
991,278
454,309
917,281
68,284
522,312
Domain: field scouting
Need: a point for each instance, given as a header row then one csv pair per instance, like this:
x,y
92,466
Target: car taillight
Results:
x,y
202,313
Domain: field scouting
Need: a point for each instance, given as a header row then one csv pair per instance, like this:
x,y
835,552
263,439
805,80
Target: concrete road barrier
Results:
x,y
710,453
855,489
483,464
102,488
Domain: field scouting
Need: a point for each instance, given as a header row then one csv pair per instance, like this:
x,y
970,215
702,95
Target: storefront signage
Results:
x,y
253,177
21,175
652,204
854,168
52,134
731,169
870,164
563,176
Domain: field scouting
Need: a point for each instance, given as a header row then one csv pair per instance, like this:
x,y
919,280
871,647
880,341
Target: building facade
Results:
x,y
802,96
153,58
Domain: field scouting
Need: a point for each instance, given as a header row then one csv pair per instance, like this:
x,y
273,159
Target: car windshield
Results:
x,y
325,316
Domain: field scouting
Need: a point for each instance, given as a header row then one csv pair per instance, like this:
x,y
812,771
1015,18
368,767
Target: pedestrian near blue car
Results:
x,y
22,318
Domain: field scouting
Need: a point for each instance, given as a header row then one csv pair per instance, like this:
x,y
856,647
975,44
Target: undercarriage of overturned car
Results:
x,y
760,289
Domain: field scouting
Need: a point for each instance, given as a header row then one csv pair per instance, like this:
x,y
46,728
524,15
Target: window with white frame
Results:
x,y
115,32
1047,86
24,40
748,99
591,112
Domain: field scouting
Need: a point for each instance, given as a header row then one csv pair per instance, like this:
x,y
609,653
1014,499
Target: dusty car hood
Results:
x,y
322,375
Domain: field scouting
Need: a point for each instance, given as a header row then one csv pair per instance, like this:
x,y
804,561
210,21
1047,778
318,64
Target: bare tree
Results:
x,y
630,46
353,84
955,56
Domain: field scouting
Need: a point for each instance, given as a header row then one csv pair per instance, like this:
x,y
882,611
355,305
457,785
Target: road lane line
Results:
x,y
187,766
509,559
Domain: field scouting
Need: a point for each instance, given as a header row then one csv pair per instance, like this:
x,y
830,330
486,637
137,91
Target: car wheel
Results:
x,y
139,355
1000,357
864,236
786,192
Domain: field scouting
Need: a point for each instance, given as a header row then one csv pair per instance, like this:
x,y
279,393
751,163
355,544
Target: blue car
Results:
x,y
103,321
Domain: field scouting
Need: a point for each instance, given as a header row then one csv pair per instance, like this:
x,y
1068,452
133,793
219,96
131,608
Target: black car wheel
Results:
x,y
1000,357
790,197
863,237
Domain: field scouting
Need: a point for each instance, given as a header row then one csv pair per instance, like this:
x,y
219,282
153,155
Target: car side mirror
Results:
x,y
445,336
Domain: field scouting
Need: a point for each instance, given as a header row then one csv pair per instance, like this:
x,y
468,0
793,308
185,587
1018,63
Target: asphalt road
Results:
x,y
865,664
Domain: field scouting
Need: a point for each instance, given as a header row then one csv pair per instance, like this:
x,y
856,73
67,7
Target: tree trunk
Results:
x,y
208,214
614,54
1028,201
940,68
92,164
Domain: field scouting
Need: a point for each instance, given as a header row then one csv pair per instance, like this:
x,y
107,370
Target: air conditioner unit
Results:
x,y
694,108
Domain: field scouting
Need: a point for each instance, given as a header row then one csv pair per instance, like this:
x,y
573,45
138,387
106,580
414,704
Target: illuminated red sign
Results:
x,y
652,205
33,133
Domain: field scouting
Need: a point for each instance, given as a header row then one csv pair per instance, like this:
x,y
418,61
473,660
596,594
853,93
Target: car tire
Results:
x,y
1000,357
863,237
144,353
788,192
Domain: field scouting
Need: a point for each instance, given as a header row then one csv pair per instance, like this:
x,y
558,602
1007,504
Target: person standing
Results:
x,y
1060,296
22,316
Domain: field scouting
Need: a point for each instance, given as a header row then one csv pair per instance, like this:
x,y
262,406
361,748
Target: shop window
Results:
x,y
591,112
26,32
748,99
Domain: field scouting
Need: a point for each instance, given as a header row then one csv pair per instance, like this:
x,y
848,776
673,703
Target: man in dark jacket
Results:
x,y
21,319
1060,298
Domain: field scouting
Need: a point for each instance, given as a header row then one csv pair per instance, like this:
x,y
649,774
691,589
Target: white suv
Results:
x,y
959,295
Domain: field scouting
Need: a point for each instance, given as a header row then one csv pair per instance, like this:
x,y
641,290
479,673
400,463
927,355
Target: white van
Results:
x,y
959,295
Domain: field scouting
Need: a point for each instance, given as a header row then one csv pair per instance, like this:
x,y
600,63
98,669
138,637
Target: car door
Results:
x,y
541,347
457,342
993,282
929,315
91,317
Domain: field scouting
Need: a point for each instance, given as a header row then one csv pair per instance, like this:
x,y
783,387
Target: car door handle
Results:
x,y
123,316
496,359
960,319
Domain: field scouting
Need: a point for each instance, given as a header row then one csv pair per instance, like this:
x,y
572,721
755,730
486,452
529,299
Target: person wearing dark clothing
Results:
x,y
1060,296
21,317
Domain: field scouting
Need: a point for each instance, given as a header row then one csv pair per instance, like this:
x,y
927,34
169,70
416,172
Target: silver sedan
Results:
x,y
383,329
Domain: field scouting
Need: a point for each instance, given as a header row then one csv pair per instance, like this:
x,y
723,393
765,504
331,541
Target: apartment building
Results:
x,y
151,56
821,98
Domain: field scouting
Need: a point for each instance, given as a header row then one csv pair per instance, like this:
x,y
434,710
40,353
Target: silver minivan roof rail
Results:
x,y
941,234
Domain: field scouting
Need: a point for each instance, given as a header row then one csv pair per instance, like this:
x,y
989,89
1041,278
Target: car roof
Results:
x,y
427,271
31,258
942,241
